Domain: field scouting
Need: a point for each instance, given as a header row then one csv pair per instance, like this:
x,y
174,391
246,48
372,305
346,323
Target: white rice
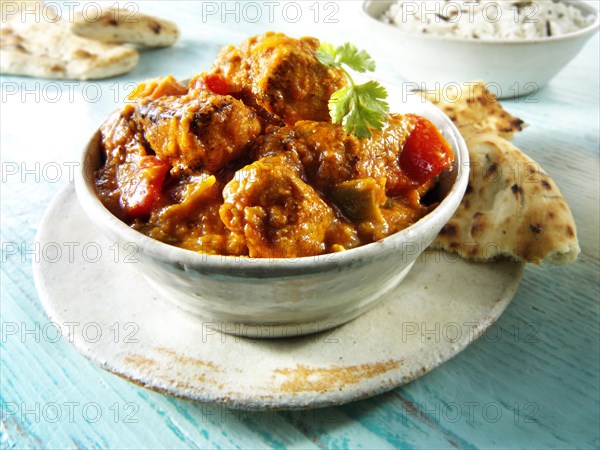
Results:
x,y
487,19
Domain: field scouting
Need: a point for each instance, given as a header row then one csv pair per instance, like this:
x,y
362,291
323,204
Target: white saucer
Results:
x,y
93,291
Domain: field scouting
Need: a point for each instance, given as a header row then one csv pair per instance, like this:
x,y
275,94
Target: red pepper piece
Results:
x,y
216,84
426,153
142,185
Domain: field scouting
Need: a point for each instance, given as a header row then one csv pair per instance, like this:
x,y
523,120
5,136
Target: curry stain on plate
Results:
x,y
319,379
187,360
176,360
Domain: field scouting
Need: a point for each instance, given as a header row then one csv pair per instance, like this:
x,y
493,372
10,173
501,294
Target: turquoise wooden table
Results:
x,y
531,381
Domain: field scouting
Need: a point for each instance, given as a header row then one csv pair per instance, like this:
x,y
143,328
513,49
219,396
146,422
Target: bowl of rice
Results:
x,y
515,47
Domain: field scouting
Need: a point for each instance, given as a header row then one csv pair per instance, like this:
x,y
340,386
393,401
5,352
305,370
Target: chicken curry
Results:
x,y
244,159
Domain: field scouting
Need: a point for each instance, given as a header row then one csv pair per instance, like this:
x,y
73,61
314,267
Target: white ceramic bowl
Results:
x,y
510,67
284,297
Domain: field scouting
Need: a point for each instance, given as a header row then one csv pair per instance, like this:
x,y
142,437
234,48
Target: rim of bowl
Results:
x,y
244,266
587,9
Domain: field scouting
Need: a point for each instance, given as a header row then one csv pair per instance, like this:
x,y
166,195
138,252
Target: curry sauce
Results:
x,y
244,161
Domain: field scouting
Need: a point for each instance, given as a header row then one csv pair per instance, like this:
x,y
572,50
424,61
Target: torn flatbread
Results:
x,y
473,105
117,25
46,49
511,209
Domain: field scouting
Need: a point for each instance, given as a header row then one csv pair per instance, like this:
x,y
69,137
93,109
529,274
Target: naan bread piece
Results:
x,y
511,209
475,106
48,50
119,26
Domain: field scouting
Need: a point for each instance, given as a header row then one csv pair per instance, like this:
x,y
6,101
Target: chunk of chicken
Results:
x,y
131,179
280,74
278,213
197,131
330,156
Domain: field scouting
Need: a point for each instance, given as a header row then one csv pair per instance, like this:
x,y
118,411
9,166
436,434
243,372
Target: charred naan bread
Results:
x,y
46,49
475,107
122,26
512,208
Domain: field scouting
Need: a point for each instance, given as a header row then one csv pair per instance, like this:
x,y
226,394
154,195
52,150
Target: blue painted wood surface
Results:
x,y
532,381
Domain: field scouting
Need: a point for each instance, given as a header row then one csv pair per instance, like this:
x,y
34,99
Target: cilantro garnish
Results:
x,y
359,108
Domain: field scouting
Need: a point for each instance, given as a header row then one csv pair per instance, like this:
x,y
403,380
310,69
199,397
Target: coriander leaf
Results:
x,y
369,111
357,60
372,96
354,123
358,108
326,55
360,121
340,103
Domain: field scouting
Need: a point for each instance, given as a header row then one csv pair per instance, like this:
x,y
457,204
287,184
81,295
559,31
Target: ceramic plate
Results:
x,y
92,290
